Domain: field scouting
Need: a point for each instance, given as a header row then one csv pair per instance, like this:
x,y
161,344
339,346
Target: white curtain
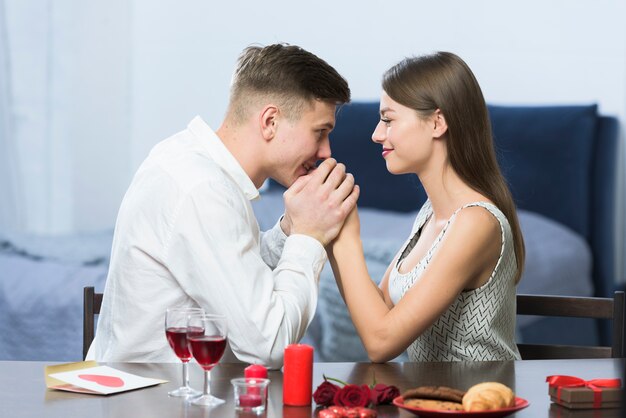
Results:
x,y
64,162
10,220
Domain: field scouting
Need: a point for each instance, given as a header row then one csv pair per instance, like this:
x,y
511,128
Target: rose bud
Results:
x,y
383,394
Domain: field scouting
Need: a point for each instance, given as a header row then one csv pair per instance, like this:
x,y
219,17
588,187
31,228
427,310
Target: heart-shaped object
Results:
x,y
110,381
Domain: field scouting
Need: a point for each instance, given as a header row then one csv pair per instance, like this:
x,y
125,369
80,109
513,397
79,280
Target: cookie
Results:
x,y
442,393
434,404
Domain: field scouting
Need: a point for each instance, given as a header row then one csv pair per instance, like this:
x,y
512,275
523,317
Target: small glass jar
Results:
x,y
250,394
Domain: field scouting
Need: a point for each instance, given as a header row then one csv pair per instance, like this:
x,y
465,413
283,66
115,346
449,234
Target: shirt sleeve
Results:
x,y
272,244
214,252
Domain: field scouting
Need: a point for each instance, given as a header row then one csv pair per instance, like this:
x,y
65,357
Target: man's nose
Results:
x,y
324,151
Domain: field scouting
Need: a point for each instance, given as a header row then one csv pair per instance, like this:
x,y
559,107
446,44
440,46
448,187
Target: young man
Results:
x,y
186,234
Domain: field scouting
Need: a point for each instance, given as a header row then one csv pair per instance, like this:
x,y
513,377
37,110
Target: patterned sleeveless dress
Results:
x,y
480,323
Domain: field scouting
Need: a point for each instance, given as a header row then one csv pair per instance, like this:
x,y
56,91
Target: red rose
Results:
x,y
353,395
383,394
325,393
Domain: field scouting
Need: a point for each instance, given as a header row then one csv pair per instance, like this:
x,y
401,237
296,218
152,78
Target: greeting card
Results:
x,y
89,377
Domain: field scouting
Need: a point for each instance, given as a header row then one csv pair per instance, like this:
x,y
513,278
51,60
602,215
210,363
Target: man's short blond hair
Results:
x,y
285,75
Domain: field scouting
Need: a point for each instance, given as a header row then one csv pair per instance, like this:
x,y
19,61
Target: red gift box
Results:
x,y
576,393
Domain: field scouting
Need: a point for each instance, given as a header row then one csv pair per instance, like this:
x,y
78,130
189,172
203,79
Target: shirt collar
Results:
x,y
222,156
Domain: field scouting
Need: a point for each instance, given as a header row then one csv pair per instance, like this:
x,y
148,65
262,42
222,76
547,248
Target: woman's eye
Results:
x,y
385,121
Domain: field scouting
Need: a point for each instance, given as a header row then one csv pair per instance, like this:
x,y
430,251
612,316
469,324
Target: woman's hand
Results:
x,y
351,229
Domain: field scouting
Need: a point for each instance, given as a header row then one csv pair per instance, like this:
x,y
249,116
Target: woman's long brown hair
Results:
x,y
444,81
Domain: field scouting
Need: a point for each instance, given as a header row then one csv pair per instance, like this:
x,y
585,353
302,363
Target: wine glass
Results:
x,y
177,332
207,348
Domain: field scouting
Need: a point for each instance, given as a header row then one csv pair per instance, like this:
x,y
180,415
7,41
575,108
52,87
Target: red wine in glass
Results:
x,y
207,349
176,331
177,337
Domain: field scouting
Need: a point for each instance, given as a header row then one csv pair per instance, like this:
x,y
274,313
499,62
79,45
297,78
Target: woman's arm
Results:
x,y
352,228
464,259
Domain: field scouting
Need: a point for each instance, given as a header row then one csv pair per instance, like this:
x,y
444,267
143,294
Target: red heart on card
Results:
x,y
110,381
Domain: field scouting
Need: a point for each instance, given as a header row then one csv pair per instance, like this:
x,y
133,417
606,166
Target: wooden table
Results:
x,y
23,392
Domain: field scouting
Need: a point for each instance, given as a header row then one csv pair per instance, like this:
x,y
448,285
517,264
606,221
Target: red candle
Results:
x,y
297,411
255,371
250,400
298,375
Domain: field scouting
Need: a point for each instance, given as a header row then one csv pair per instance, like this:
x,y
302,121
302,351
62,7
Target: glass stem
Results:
x,y
207,383
185,374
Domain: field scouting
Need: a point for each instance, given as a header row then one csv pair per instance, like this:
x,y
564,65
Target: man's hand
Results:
x,y
317,204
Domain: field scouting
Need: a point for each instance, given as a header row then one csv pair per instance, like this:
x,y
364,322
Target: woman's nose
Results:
x,y
378,135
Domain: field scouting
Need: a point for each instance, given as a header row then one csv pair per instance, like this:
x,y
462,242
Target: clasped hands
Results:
x,y
317,204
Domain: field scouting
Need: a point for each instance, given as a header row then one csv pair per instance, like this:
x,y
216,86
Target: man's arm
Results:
x,y
272,243
214,254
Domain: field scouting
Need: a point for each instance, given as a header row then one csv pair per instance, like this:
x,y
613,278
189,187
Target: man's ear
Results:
x,y
440,125
268,121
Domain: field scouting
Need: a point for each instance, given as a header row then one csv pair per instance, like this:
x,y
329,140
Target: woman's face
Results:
x,y
406,138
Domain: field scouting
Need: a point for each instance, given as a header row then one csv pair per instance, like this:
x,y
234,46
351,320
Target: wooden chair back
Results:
x,y
92,302
577,307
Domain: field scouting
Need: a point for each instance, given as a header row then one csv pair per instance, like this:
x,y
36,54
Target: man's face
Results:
x,y
301,143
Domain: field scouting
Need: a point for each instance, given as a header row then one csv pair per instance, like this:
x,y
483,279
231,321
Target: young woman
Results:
x,y
449,294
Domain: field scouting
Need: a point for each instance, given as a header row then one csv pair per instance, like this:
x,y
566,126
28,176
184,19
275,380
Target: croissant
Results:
x,y
487,396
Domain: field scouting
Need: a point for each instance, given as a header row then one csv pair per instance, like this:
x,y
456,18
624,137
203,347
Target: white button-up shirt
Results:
x,y
186,235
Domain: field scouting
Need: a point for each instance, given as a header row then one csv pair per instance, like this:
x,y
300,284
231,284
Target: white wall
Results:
x,y
523,52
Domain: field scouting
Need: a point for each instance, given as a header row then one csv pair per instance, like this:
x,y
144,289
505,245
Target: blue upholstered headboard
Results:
x,y
560,162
